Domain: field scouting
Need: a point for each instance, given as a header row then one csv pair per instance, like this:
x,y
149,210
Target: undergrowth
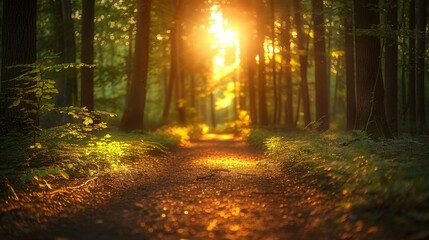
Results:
x,y
384,179
67,152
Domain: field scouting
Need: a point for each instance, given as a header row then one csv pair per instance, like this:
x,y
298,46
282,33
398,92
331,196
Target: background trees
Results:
x,y
284,63
18,48
87,54
133,117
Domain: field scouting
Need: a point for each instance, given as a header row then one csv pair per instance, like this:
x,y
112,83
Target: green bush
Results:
x,y
389,176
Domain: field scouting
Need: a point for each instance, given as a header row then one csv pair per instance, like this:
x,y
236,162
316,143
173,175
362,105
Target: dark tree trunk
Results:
x,y
180,87
289,122
321,74
262,99
64,29
174,80
303,62
350,74
421,44
212,110
370,115
273,66
249,55
136,97
87,74
18,47
412,66
391,69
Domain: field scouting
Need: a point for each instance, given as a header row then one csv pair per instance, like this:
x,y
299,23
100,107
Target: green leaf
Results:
x,y
15,103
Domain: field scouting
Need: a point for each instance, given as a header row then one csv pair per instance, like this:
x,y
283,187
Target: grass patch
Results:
x,y
65,152
384,179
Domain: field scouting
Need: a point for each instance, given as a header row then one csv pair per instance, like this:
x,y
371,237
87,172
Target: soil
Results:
x,y
218,187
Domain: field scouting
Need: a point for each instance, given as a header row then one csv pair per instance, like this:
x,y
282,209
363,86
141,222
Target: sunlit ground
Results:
x,y
229,162
220,137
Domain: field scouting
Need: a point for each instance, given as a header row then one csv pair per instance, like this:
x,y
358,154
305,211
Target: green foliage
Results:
x,y
390,176
106,153
35,90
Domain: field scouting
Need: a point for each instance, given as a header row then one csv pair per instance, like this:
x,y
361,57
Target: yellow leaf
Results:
x,y
88,121
64,175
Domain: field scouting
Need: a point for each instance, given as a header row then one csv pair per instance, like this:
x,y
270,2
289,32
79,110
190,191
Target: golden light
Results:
x,y
226,46
219,137
229,162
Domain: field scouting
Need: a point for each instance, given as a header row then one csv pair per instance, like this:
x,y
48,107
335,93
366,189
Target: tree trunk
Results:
x,y
65,32
212,110
87,74
391,69
249,55
136,97
18,47
322,83
350,74
370,115
412,67
262,100
289,122
273,65
303,62
174,56
421,43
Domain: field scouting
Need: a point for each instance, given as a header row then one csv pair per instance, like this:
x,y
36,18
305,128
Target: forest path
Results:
x,y
215,188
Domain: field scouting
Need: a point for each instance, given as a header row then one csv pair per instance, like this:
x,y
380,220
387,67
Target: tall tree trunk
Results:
x,y
18,47
249,55
286,39
273,65
174,56
87,73
64,29
321,74
180,80
412,66
421,44
212,110
350,74
262,98
303,55
69,53
370,115
391,68
136,96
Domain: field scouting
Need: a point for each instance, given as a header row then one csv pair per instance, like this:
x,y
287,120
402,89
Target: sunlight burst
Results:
x,y
227,51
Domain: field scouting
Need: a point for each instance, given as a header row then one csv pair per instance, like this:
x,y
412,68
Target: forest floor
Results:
x,y
218,187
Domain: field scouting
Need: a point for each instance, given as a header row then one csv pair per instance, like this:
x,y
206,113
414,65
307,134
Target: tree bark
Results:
x,y
350,74
421,43
18,47
412,66
321,74
391,68
276,100
370,115
136,97
286,39
262,100
65,32
303,62
87,74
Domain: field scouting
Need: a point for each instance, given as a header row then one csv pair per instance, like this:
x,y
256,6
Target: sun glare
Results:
x,y
225,43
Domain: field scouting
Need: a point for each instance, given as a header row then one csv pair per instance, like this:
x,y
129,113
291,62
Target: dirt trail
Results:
x,y
215,188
